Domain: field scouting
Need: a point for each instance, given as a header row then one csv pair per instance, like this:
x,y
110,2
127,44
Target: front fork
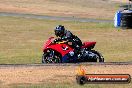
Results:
x,y
51,53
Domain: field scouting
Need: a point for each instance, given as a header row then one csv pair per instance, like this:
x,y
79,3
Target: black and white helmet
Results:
x,y
59,30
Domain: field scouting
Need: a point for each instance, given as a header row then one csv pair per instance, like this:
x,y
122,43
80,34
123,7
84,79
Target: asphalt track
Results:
x,y
54,17
66,64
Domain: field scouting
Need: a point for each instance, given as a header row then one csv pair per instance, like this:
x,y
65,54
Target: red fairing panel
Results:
x,y
88,44
48,42
63,49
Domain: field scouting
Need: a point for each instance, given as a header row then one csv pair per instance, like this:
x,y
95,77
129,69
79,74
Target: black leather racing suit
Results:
x,y
76,42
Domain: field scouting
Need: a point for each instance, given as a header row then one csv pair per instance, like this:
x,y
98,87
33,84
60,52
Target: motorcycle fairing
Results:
x,y
88,44
48,42
67,59
60,48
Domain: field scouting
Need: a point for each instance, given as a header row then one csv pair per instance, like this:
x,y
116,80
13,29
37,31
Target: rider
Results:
x,y
66,35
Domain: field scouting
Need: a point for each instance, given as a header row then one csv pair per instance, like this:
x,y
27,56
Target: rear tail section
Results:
x,y
89,45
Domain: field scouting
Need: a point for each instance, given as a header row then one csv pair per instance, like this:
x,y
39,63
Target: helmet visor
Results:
x,y
57,32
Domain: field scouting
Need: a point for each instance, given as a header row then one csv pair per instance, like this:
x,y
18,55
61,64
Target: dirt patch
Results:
x,y
55,74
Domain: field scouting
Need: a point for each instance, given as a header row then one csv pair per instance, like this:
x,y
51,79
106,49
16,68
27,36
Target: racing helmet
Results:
x,y
59,30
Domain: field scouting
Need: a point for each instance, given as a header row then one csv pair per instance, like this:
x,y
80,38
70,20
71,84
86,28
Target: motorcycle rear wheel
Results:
x,y
99,57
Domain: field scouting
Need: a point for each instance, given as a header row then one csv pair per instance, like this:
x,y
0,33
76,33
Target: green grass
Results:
x,y
21,39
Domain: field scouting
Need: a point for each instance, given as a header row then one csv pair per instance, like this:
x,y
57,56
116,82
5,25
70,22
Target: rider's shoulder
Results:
x,y
67,31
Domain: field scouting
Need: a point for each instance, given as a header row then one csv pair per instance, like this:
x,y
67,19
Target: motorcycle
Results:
x,y
62,52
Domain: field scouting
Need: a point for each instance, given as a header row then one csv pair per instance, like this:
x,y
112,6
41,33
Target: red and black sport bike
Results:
x,y
63,52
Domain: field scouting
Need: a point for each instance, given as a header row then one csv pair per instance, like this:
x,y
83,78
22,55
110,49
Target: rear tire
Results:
x,y
99,58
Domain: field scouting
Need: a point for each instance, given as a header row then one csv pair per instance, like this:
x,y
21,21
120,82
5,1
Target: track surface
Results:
x,y
66,64
54,17
56,73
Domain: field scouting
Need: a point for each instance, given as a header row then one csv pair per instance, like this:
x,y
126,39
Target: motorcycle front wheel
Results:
x,y
51,56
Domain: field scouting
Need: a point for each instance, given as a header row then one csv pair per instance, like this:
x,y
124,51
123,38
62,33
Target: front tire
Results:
x,y
51,56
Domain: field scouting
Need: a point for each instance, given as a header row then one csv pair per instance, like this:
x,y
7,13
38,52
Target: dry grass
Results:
x,y
21,40
97,9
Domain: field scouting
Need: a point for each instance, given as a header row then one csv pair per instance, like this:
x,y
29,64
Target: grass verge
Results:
x,y
21,39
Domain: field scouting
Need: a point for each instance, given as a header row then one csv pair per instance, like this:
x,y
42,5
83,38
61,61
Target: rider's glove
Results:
x,y
56,40
64,38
